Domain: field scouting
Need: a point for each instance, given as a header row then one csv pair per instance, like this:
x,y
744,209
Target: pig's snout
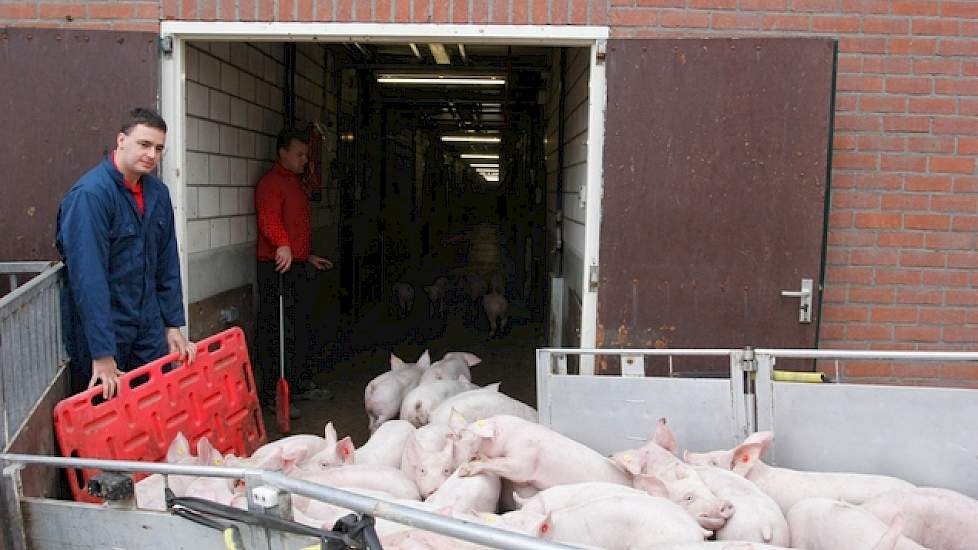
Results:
x,y
726,509
712,523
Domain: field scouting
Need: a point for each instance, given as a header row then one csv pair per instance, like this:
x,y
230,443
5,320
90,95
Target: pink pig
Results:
x,y
420,401
386,446
826,524
936,518
384,394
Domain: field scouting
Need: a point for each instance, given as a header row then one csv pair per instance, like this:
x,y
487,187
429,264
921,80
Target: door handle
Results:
x,y
805,299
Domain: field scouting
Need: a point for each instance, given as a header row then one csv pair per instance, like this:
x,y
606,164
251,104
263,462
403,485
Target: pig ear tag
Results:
x,y
627,457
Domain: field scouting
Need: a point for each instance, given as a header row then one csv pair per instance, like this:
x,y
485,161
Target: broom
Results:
x,y
282,418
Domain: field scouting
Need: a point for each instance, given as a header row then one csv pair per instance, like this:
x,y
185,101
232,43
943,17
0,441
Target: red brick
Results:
x,y
918,296
662,3
904,202
520,15
898,277
851,238
135,27
873,257
788,23
840,220
882,143
964,223
917,334
904,163
928,144
247,10
736,21
61,11
903,239
962,260
867,369
909,258
844,313
950,241
854,161
597,13
227,10
897,65
915,7
855,275
858,123
877,180
936,27
860,44
959,371
842,142
894,314
895,123
868,332
188,9
956,125
111,10
480,12
960,165
873,220
961,9
969,28
882,104
943,316
684,19
967,145
932,105
926,369
886,25
967,106
207,11
286,10
764,5
24,10
171,9
558,12
945,278
909,85
324,10
965,184
711,4
633,17
958,47
937,66
835,23
305,10
814,5
420,12
578,11
913,46
871,295
849,64
266,10
834,295
933,222
837,256
948,86
962,297
855,199
538,15
831,332
954,203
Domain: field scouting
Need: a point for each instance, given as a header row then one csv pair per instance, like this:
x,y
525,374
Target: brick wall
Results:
x,y
902,269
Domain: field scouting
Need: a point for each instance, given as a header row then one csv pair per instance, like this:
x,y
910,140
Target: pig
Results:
x,y
446,369
215,489
475,287
433,453
374,478
481,403
470,359
654,465
525,452
420,401
479,493
758,517
788,486
298,451
936,518
333,453
621,523
565,496
386,446
404,298
496,307
827,524
384,394
437,293
717,545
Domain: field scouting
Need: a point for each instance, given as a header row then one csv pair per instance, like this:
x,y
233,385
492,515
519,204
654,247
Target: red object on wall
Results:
x,y
312,181
213,397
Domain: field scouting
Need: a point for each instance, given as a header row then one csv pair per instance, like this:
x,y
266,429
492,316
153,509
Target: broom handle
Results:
x,y
281,327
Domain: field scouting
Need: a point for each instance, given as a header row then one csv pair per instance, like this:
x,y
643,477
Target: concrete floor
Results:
x,y
363,352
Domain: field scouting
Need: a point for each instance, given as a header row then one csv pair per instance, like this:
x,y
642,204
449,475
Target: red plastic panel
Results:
x,y
213,397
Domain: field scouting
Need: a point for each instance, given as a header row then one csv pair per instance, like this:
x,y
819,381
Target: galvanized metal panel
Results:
x,y
64,95
715,185
610,414
926,436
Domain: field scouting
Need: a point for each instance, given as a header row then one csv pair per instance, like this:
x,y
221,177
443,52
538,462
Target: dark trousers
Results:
x,y
301,337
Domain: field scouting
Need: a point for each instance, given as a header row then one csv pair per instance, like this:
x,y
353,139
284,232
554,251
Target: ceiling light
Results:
x,y
472,139
485,165
441,56
479,156
441,79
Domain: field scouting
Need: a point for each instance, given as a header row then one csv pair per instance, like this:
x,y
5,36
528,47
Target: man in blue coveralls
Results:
x,y
122,305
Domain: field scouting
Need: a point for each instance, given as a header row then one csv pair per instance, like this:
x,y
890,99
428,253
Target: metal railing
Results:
x,y
31,348
405,515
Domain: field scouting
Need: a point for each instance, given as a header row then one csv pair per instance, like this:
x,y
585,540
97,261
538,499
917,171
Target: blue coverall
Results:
x,y
123,272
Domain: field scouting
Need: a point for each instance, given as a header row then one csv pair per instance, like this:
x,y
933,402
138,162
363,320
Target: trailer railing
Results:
x,y
20,535
31,350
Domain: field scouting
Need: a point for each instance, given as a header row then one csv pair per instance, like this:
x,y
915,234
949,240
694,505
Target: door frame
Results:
x,y
175,35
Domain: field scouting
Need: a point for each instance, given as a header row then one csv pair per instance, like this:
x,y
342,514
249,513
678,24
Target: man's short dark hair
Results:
x,y
285,139
146,117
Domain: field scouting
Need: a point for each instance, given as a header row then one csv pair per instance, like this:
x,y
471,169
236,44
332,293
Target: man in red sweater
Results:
x,y
284,255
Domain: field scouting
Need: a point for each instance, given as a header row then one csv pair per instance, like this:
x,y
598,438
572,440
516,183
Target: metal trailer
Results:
x,y
925,435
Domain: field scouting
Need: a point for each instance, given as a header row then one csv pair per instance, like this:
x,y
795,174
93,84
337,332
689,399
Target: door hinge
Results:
x,y
592,278
166,44
601,51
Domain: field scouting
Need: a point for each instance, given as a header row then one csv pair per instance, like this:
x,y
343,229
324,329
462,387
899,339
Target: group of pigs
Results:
x,y
478,455
478,295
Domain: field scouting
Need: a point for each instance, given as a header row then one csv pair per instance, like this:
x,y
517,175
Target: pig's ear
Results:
x,y
271,461
630,461
482,428
471,359
179,448
651,485
765,438
425,360
456,421
448,450
330,434
396,362
344,449
544,527
462,378
664,437
493,387
207,455
892,535
745,456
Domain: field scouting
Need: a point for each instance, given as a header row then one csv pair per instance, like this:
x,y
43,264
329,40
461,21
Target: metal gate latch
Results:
x,y
805,294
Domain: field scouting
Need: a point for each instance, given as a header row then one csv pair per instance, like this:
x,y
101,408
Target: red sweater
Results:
x,y
283,214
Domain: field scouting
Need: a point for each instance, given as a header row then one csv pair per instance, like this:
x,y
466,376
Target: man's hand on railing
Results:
x,y
104,370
